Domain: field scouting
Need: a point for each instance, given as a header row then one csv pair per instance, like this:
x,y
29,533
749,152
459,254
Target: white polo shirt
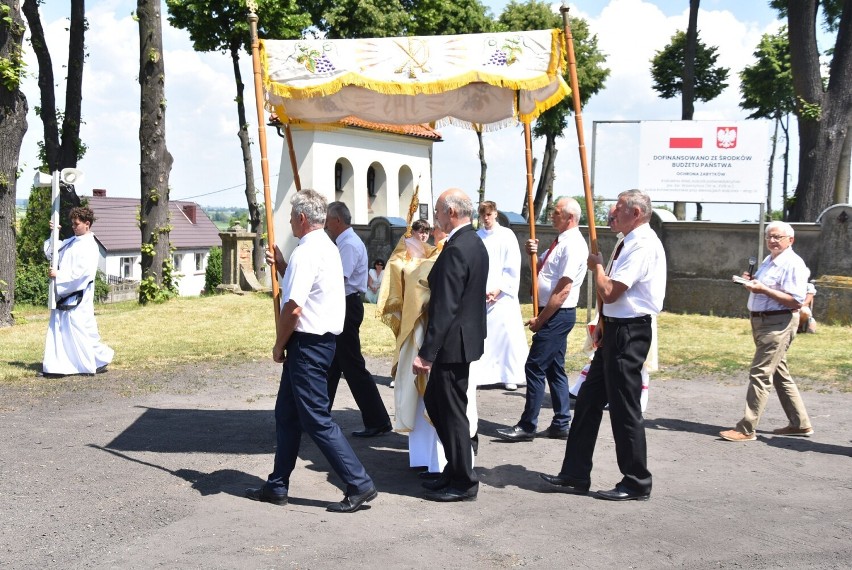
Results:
x,y
787,273
314,281
567,259
641,266
353,255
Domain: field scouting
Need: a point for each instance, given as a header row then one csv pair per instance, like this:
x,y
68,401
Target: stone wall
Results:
x,y
127,291
702,257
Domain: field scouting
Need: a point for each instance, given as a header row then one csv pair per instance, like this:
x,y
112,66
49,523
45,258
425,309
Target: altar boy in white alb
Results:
x,y
73,344
506,344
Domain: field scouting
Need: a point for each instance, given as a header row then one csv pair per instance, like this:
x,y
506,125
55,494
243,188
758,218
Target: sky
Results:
x,y
201,116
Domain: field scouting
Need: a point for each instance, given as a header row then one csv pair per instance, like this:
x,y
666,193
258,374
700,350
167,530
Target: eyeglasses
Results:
x,y
775,238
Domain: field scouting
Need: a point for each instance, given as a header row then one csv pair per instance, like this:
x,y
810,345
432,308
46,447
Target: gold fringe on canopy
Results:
x,y
490,79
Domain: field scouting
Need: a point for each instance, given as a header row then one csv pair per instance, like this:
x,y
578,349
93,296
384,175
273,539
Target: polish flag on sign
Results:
x,y
686,142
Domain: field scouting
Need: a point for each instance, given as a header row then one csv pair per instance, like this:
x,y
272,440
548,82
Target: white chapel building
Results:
x,y
373,168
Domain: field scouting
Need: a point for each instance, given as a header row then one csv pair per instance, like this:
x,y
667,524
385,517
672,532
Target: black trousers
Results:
x,y
615,377
446,404
349,361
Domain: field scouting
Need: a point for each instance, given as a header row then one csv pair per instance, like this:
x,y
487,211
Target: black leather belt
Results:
x,y
771,313
631,321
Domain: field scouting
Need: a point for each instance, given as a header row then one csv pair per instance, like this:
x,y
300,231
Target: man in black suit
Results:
x,y
455,337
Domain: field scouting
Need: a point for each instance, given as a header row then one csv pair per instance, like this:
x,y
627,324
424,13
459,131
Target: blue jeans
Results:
x,y
302,405
546,361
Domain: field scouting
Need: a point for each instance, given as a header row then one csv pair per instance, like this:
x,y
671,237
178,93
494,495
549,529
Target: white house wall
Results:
x,y
112,264
190,281
317,151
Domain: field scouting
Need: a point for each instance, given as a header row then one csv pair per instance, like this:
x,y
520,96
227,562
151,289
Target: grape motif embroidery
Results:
x,y
313,60
508,53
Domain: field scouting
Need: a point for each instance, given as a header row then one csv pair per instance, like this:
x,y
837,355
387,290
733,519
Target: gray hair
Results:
x,y
340,211
460,203
312,204
638,199
571,206
783,226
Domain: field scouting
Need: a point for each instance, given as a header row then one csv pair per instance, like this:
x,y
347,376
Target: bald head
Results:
x,y
453,208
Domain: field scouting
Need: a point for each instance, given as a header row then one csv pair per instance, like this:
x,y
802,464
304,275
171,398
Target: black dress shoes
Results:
x,y
264,495
372,432
451,495
552,433
436,484
565,484
622,493
352,503
515,433
429,476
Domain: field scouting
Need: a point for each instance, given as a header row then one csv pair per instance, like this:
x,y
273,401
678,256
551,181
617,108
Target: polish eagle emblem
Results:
x,y
726,137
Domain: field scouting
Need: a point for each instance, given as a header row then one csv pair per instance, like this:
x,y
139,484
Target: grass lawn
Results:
x,y
233,328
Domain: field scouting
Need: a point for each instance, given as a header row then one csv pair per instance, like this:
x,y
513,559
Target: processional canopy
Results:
x,y
478,81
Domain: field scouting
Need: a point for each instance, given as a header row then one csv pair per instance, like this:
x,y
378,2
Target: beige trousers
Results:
x,y
772,337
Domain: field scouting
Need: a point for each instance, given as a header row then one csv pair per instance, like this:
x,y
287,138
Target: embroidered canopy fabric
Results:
x,y
483,81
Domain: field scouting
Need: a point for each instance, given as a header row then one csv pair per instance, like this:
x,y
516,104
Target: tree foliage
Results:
x,y
35,228
767,91
360,18
213,272
767,85
443,17
220,25
387,18
667,69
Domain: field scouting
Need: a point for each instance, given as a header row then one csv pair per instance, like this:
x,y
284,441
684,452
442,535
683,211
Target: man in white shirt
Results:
x,y
506,344
348,359
561,272
632,292
312,313
776,293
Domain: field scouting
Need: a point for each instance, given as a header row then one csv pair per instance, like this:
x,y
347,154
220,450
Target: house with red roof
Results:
x,y
116,229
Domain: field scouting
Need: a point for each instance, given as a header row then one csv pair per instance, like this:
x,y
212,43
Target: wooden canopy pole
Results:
x,y
531,215
578,119
264,161
293,165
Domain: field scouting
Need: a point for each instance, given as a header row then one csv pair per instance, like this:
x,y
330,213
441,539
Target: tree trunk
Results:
x,y
255,218
13,125
687,100
45,85
841,184
156,162
785,213
770,175
824,114
64,152
546,174
483,166
549,177
70,149
525,205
